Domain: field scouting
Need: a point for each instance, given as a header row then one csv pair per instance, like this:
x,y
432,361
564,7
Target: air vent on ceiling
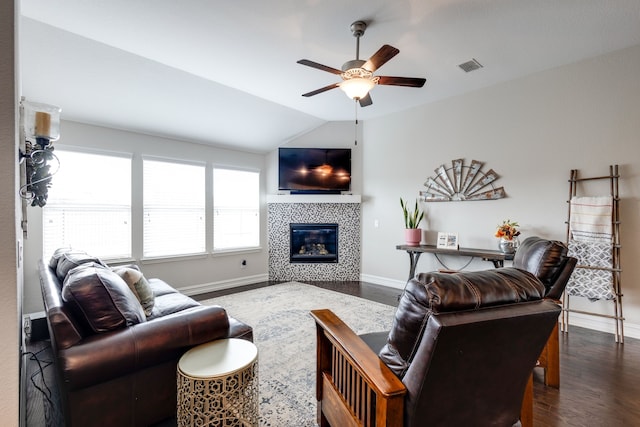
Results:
x,y
470,66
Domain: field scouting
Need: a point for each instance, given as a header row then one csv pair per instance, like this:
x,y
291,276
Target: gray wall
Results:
x,y
10,235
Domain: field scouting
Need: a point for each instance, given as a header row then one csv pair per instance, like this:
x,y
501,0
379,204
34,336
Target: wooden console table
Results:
x,y
496,257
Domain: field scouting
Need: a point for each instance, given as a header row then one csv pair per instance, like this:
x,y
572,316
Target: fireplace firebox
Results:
x,y
313,243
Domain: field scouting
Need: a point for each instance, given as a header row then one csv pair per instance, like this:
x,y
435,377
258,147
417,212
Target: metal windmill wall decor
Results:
x,y
460,182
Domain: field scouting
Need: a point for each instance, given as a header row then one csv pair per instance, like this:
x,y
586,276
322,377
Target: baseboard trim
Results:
x,y
223,284
377,280
631,330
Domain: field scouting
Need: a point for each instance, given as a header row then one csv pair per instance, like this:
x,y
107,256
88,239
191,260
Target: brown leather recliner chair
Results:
x,y
549,262
460,352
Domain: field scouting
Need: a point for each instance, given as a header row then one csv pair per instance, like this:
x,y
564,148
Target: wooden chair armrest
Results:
x,y
358,353
353,386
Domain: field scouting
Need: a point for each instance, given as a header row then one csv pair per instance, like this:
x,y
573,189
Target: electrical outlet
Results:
x,y
243,263
26,325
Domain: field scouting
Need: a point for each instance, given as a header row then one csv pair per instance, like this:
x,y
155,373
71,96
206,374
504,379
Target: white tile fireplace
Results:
x,y
313,210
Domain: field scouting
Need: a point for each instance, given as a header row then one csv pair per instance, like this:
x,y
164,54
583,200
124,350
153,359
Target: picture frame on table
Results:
x,y
447,240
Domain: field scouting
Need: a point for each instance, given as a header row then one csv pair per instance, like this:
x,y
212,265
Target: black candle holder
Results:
x,y
38,157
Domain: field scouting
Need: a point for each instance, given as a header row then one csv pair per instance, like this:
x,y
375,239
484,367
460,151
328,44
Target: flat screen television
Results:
x,y
314,170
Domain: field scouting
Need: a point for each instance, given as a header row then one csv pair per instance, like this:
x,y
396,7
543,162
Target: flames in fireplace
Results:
x,y
313,243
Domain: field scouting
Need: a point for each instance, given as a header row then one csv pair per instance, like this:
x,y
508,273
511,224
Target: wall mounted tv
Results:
x,y
314,170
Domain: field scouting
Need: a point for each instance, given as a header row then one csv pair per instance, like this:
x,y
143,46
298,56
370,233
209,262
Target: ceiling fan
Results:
x,y
357,74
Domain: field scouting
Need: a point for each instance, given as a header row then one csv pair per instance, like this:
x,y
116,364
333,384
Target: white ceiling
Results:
x,y
225,72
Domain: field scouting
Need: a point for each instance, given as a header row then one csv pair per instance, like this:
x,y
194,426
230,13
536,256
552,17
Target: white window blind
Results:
x,y
89,205
236,209
174,208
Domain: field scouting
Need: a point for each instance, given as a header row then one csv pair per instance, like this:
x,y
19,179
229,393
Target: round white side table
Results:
x,y
218,384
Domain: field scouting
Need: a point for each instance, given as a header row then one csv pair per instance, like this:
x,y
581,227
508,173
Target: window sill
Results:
x,y
236,251
172,258
114,262
214,254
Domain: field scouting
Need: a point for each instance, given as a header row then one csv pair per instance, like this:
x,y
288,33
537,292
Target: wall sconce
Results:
x,y
41,126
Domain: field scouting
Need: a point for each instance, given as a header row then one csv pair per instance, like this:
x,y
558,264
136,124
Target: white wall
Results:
x,y
532,132
10,235
190,275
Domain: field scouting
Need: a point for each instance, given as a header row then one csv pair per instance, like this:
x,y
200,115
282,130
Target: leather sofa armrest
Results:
x,y
103,357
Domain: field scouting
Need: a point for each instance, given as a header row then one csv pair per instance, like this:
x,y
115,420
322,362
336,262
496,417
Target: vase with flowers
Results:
x,y
412,218
508,234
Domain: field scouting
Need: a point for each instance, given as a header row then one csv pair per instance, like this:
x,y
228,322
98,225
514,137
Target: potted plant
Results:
x,y
412,219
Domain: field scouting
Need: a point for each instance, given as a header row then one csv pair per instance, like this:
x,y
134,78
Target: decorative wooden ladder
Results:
x,y
615,269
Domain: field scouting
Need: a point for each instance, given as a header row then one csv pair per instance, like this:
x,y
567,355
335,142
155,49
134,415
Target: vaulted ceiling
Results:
x,y
225,72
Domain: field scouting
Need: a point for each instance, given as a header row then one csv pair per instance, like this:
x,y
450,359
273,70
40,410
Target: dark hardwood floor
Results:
x,y
599,379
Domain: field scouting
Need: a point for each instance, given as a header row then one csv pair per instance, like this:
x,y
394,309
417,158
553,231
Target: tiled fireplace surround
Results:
x,y
341,209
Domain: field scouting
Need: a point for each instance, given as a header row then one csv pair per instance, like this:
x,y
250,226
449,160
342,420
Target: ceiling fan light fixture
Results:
x,y
357,74
357,87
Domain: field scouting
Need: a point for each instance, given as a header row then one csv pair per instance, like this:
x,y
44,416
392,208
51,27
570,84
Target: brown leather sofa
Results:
x,y
460,352
116,363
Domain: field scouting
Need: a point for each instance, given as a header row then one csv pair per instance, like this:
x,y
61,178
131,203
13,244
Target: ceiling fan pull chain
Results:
x,y
356,126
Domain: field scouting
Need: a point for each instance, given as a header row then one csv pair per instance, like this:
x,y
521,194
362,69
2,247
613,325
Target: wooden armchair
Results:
x,y
460,352
549,262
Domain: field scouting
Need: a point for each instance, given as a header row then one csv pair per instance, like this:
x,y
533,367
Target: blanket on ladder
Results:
x,y
590,219
590,241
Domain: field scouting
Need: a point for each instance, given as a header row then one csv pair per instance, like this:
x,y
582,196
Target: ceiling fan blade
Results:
x,y
380,58
322,89
402,81
366,101
319,66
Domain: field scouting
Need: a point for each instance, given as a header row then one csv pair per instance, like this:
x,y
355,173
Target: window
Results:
x,y
236,209
89,205
174,208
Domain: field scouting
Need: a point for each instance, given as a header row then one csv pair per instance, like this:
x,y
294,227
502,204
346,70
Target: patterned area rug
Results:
x,y
285,335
